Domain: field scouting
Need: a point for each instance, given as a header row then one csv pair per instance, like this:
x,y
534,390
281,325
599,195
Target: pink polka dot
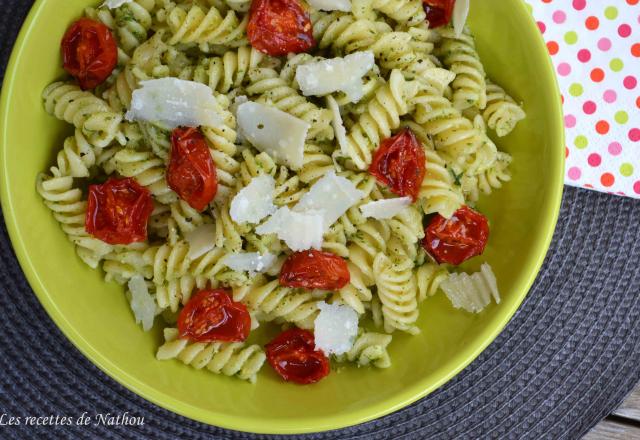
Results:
x,y
594,160
634,135
570,121
559,17
624,30
575,173
615,148
604,44
636,187
542,27
564,69
589,107
579,5
630,82
584,55
610,96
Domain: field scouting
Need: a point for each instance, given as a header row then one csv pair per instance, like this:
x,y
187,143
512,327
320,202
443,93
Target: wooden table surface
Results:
x,y
622,424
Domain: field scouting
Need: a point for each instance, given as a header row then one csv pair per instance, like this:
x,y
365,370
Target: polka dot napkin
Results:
x,y
595,47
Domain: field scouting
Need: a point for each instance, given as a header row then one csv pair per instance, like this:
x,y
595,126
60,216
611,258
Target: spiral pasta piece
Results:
x,y
370,239
355,294
93,116
228,71
131,21
382,116
315,164
173,293
69,209
123,264
438,193
148,169
76,158
429,276
409,12
406,227
369,349
187,218
191,24
474,292
458,53
502,113
228,358
228,233
278,302
270,88
396,287
489,180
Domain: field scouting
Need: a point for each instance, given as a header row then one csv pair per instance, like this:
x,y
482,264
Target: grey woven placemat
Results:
x,y
568,357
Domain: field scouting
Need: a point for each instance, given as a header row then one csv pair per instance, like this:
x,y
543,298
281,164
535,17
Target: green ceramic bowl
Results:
x,y
95,316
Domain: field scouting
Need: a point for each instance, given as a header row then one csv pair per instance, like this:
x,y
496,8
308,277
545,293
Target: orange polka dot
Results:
x,y
602,127
638,102
597,75
607,179
592,23
635,50
553,47
632,2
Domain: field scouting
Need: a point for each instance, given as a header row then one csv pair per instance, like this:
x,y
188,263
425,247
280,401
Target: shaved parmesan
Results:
x,y
338,126
251,262
331,5
255,201
299,230
384,209
331,196
459,16
335,328
112,4
273,131
336,74
142,304
201,240
175,102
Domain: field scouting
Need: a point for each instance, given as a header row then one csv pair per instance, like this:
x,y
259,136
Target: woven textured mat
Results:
x,y
568,357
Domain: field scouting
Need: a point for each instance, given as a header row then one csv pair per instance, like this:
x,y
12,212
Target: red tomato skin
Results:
x,y
89,52
314,269
457,239
279,27
211,315
191,172
400,163
118,211
293,356
438,12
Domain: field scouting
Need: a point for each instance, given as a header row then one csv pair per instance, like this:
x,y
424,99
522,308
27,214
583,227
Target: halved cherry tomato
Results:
x,y
191,172
118,211
211,315
279,27
314,269
438,11
89,52
399,163
294,357
457,239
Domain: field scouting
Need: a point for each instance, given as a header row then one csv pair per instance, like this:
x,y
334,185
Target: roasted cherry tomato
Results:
x,y
118,211
314,270
457,239
191,172
211,315
294,357
399,163
279,27
438,11
89,52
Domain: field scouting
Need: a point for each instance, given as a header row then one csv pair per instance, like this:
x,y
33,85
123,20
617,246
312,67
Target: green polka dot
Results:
x,y
611,12
616,65
622,117
576,89
626,169
571,37
581,142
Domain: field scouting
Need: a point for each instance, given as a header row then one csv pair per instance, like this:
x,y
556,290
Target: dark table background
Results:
x,y
568,357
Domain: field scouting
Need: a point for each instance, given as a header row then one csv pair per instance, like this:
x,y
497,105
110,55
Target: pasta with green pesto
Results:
x,y
306,184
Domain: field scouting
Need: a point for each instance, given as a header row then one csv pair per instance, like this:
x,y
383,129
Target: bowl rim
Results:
x,y
268,425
